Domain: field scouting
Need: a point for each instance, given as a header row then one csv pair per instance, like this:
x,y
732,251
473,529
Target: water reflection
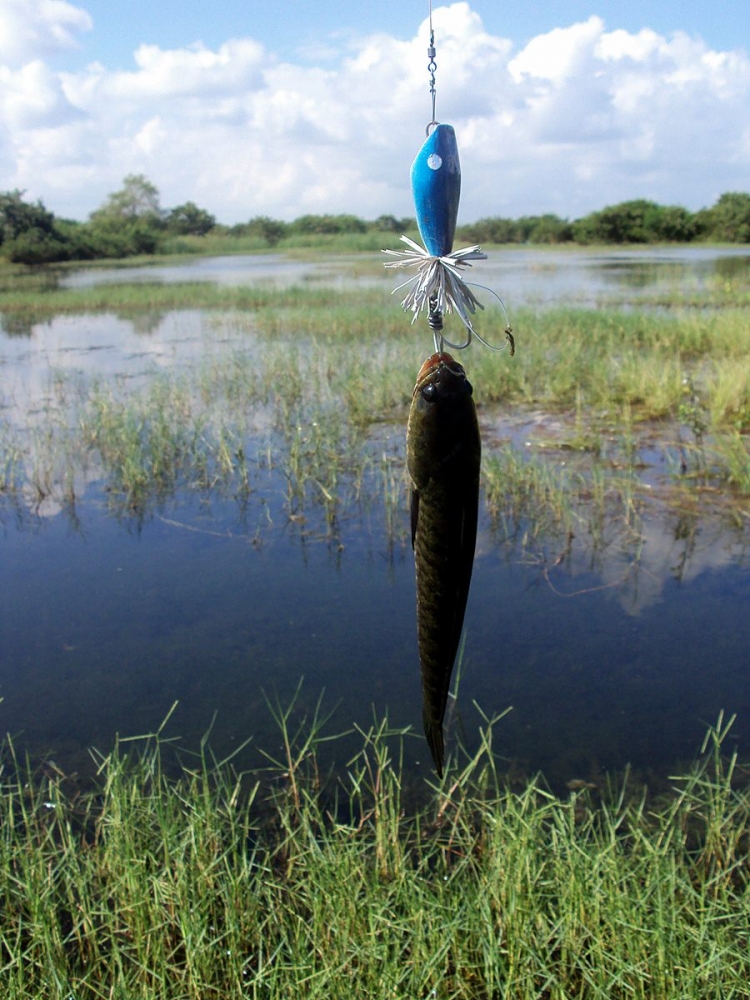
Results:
x,y
103,346
522,275
588,278
237,269
104,628
611,651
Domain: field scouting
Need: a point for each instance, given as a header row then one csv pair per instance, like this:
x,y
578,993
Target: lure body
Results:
x,y
436,187
443,451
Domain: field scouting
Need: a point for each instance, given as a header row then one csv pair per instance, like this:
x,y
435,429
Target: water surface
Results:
x,y
608,658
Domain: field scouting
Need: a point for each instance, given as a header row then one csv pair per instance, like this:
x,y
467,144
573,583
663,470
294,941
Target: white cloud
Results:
x,y
194,71
621,44
559,54
31,29
578,118
32,96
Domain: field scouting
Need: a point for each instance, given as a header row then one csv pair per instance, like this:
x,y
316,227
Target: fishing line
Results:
x,y
432,69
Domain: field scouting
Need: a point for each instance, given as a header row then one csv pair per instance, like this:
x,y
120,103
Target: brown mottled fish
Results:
x,y
443,451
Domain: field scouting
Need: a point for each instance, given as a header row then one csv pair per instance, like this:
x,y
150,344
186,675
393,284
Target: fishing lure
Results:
x,y
438,287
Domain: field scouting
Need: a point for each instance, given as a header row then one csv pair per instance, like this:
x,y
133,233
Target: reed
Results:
x,y
202,882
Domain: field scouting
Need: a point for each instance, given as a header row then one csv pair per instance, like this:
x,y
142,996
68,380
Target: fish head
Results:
x,y
441,378
443,435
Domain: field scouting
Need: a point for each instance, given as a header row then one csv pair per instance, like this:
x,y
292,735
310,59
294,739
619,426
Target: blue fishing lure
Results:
x,y
438,286
436,186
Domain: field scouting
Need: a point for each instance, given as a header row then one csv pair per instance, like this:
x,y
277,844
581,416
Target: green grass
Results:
x,y
22,302
205,883
325,370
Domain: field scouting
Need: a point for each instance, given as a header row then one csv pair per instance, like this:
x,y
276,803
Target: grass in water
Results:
x,y
207,883
324,369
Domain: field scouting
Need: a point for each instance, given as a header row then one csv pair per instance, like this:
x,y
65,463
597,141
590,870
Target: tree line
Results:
x,y
132,222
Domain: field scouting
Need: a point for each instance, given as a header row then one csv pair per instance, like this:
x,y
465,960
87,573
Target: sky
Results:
x,y
286,108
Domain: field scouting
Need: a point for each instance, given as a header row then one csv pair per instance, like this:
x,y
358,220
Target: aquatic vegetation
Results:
x,y
514,486
313,386
732,460
196,880
202,881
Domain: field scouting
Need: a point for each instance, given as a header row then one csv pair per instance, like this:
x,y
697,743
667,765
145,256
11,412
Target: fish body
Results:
x,y
443,451
436,187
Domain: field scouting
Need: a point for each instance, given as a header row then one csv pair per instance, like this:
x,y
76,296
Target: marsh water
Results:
x,y
223,603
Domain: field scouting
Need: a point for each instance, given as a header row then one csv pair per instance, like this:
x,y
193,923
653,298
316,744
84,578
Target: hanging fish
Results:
x,y
443,451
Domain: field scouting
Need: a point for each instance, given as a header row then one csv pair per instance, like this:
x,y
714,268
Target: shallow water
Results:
x,y
521,276
105,624
240,269
594,277
607,660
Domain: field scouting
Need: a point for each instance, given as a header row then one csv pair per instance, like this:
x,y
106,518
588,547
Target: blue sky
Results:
x,y
284,108
290,29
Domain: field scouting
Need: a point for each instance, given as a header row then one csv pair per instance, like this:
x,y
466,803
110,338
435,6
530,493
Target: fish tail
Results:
x,y
433,730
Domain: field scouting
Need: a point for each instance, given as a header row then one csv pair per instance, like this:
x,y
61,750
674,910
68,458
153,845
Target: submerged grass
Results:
x,y
207,883
323,367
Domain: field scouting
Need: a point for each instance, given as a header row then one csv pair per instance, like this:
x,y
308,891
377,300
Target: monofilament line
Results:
x,y
432,67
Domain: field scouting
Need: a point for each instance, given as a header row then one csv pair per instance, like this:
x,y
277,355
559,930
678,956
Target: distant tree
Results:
x,y
638,221
323,224
587,229
621,223
392,224
189,220
138,199
547,228
492,230
552,229
272,230
670,223
261,227
386,224
78,239
35,246
18,216
130,221
523,227
729,219
28,231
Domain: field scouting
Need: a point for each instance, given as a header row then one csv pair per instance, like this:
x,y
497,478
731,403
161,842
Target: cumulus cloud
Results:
x,y
578,118
31,29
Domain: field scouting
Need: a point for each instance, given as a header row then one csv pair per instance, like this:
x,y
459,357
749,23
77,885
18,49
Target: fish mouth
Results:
x,y
434,362
442,376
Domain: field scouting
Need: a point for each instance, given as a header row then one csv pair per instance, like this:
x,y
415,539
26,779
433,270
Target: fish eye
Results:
x,y
429,392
